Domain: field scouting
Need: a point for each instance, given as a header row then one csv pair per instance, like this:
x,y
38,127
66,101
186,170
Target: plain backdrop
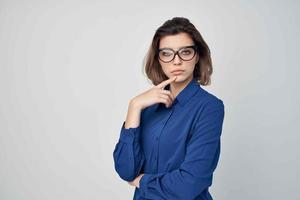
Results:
x,y
69,68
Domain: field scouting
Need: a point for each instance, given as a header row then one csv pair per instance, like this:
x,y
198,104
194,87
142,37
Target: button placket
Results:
x,y
163,124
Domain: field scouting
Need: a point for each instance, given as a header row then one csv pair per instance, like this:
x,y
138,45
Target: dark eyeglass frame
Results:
x,y
177,53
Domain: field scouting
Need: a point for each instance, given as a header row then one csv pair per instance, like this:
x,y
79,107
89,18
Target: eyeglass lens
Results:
x,y
168,55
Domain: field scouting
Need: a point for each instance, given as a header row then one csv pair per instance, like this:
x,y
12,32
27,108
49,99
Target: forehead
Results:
x,y
176,41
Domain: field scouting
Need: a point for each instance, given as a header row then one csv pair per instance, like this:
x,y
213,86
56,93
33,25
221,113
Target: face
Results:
x,y
176,42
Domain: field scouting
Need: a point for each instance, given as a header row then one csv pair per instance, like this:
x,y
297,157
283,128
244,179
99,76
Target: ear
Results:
x,y
197,58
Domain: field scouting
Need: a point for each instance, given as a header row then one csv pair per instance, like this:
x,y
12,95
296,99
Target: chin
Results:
x,y
179,78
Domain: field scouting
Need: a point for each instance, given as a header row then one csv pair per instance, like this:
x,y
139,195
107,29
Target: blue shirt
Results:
x,y
177,148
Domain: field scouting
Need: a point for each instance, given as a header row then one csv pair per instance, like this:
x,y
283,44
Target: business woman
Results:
x,y
169,144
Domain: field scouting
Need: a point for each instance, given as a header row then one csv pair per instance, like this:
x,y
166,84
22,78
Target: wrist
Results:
x,y
134,104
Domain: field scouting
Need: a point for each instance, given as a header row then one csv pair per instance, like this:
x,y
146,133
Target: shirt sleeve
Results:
x,y
128,155
196,171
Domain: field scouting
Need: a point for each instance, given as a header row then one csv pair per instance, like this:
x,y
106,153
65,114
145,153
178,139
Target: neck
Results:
x,y
177,87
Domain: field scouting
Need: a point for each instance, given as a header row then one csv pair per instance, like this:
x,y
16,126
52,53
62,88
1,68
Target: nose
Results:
x,y
177,60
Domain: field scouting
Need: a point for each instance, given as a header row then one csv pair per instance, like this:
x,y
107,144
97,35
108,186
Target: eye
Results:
x,y
186,52
166,53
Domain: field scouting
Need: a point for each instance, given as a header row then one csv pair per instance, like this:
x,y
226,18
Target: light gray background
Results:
x,y
69,68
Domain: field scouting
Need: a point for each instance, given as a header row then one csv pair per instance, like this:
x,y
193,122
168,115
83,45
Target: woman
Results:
x,y
169,144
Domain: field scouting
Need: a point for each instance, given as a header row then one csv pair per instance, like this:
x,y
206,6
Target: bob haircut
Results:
x,y
203,68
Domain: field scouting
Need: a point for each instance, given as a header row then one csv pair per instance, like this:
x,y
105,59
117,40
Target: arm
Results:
x,y
195,173
128,155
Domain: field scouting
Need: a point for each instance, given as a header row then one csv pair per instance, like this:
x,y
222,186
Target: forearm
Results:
x,y
128,154
133,115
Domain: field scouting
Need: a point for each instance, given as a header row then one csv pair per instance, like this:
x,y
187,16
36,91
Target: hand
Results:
x,y
156,94
136,181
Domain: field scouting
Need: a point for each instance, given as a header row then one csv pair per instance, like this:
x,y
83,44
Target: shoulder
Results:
x,y
208,116
207,99
208,104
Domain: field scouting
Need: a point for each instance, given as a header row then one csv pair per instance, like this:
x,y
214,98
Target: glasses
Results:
x,y
185,53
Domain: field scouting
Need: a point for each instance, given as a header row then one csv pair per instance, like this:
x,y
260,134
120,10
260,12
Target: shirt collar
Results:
x,y
184,95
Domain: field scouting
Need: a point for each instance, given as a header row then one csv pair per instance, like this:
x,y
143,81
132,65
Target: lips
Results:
x,y
177,71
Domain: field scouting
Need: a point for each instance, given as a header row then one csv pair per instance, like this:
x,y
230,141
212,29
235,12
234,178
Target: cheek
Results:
x,y
191,65
164,66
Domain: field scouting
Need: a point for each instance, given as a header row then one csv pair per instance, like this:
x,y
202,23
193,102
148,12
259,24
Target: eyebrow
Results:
x,y
178,47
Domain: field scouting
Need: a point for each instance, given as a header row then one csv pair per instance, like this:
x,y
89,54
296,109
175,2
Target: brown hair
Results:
x,y
203,68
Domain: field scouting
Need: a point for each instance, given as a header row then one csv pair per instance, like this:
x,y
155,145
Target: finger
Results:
x,y
166,82
168,93
167,99
162,100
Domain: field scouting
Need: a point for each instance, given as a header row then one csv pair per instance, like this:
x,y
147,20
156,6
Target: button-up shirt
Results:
x,y
176,148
